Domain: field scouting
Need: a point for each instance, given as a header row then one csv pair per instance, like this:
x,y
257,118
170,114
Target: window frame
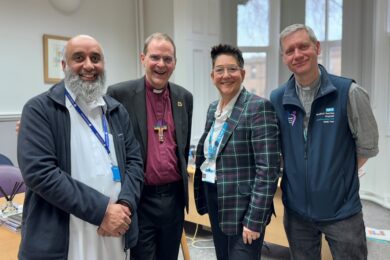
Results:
x,y
271,51
327,45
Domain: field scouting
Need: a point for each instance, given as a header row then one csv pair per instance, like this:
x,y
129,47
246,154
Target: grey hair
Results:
x,y
296,27
159,36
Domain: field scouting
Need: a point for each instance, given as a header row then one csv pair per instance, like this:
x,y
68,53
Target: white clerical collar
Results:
x,y
158,90
227,110
314,86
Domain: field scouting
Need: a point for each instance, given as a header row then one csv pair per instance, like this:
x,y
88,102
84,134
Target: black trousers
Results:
x,y
161,218
229,247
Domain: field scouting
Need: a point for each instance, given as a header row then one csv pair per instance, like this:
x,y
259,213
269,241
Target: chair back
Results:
x,y
4,160
9,175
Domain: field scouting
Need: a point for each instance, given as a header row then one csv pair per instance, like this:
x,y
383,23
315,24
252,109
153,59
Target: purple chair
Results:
x,y
9,175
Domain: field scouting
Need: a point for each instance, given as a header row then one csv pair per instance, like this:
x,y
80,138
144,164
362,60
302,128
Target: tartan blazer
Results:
x,y
247,165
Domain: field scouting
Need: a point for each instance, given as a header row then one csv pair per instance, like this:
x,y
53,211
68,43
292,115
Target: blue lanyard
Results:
x,y
212,150
106,141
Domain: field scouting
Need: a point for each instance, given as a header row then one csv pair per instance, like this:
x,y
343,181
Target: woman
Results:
x,y
237,161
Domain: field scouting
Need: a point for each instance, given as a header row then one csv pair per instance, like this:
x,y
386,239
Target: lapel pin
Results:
x,y
179,104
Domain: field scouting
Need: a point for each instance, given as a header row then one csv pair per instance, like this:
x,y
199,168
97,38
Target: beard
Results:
x,y
86,90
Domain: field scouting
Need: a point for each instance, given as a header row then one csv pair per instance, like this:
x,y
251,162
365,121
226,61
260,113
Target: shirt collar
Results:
x,y
227,110
314,86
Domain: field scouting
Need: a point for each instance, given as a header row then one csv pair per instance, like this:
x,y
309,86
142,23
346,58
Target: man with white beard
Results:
x,y
81,164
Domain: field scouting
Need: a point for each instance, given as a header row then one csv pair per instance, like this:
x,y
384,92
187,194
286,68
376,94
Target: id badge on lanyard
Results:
x,y
116,176
208,171
209,167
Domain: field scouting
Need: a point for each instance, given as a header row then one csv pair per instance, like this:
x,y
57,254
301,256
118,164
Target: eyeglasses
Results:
x,y
220,70
157,58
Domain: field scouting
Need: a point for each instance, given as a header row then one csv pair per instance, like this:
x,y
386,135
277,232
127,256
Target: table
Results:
x,y
10,240
193,215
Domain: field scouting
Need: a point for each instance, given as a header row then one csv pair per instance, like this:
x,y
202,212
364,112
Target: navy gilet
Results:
x,y
320,180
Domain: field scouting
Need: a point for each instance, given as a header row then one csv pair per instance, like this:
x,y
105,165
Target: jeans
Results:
x,y
346,238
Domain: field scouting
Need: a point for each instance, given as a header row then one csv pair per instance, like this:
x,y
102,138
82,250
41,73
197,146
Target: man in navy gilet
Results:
x,y
328,132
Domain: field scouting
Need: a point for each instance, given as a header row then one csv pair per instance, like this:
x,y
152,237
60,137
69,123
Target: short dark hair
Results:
x,y
227,50
159,36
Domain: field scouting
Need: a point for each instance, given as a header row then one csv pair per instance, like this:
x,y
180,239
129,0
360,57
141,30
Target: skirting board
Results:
x,y
383,200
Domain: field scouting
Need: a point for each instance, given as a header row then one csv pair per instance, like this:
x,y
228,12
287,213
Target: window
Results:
x,y
257,37
325,17
256,68
252,20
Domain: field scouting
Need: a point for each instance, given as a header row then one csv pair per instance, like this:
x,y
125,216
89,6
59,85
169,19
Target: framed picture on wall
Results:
x,y
53,47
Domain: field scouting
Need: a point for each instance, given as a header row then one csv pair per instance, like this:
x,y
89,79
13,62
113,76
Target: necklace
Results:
x,y
161,125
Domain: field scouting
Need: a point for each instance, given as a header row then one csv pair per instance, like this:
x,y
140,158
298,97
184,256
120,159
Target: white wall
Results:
x,y
8,137
375,184
358,36
22,24
197,28
291,12
158,17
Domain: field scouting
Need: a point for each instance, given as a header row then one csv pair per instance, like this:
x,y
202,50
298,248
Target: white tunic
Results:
x,y
91,165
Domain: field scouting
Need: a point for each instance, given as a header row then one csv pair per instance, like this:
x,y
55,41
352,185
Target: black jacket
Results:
x,y
132,95
52,194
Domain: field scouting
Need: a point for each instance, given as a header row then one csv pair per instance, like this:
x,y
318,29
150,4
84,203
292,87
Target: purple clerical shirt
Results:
x,y
161,162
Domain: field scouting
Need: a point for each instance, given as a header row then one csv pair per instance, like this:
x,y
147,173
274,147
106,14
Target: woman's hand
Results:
x,y
248,235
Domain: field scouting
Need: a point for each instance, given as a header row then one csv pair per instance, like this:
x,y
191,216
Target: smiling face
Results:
x,y
84,56
159,62
300,54
84,68
227,76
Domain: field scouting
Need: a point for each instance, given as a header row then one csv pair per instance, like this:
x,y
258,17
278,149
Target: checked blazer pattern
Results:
x,y
247,165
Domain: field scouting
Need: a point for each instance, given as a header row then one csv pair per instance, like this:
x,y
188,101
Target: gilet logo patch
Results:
x,y
327,116
292,117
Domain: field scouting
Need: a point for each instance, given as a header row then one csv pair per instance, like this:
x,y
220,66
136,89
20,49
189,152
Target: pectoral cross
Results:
x,y
160,128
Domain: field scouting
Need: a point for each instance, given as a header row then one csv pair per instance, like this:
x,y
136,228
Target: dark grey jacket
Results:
x,y
52,194
133,97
